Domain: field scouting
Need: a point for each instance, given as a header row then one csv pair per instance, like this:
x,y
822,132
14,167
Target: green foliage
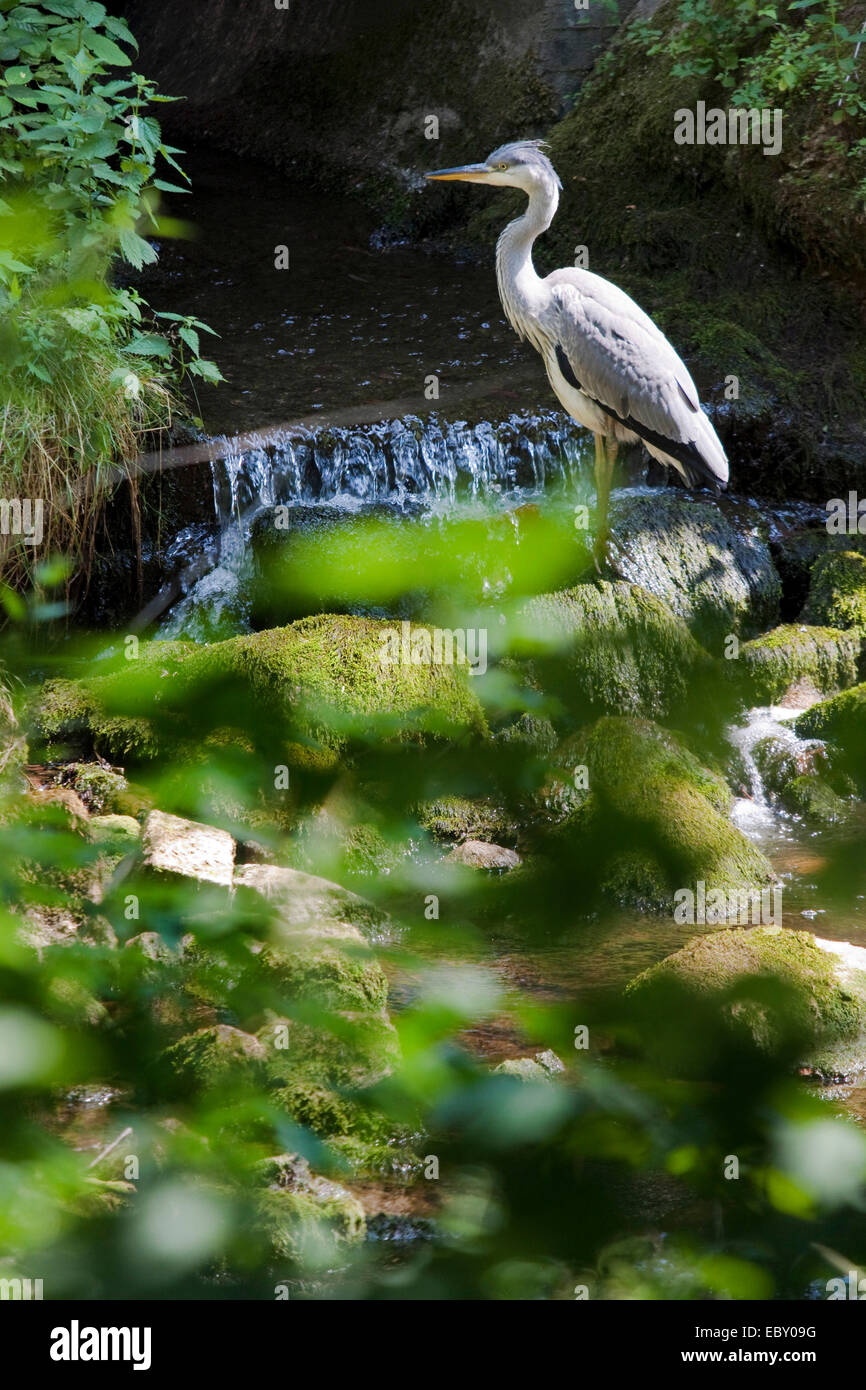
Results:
x,y
83,373
757,50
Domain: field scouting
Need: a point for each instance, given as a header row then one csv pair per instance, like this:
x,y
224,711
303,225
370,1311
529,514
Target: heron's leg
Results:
x,y
605,459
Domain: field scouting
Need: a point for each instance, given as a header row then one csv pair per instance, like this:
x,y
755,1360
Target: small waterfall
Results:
x,y
755,814
401,463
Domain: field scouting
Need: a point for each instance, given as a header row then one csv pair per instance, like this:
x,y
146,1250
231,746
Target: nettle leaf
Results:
x,y
206,369
136,250
149,345
190,337
107,50
120,29
170,187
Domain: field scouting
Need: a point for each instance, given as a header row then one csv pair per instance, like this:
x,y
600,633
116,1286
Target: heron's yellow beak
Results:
x,y
472,173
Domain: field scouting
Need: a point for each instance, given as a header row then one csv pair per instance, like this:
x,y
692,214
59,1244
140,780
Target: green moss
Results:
x,y
822,1009
341,975
653,817
460,818
100,788
814,798
842,721
312,1222
627,653
823,658
317,684
837,594
220,1058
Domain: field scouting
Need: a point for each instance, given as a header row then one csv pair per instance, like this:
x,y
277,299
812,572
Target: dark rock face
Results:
x,y
346,86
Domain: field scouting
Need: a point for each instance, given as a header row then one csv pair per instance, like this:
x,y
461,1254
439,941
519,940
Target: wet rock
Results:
x,y
300,1208
171,845
477,854
837,593
840,720
101,788
626,652
285,587
794,665
718,579
817,1017
463,818
649,817
544,1066
780,761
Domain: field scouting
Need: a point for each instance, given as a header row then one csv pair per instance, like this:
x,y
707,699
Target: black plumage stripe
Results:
x,y
687,455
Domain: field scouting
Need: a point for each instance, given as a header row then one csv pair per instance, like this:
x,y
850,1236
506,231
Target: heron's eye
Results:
x,y
502,166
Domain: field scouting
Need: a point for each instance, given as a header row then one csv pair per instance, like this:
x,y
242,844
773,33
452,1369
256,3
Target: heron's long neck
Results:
x,y
520,287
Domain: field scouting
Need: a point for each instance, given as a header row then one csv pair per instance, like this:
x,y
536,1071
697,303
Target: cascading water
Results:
x,y
401,463
755,814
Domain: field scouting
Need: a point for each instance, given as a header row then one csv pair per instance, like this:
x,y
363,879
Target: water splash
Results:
x,y
756,814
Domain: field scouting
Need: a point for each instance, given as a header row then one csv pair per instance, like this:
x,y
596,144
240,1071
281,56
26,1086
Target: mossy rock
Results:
x,y
338,974
216,1059
119,834
837,594
840,720
652,818
626,652
102,790
458,818
817,1017
815,799
307,1218
795,662
315,685
717,577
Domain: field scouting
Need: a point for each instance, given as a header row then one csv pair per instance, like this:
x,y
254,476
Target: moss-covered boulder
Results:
x,y
218,1059
840,720
304,1215
837,593
102,789
313,685
457,818
647,818
786,992
795,664
799,776
716,576
626,652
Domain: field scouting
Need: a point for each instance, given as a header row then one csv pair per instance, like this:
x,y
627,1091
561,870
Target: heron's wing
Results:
x,y
607,347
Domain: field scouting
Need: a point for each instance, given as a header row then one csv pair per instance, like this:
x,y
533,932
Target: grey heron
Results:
x,y
610,365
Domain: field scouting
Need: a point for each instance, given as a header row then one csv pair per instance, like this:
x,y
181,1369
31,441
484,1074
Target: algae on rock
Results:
x,y
817,1012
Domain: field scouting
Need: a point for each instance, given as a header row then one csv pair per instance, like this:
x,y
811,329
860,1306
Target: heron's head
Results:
x,y
522,164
